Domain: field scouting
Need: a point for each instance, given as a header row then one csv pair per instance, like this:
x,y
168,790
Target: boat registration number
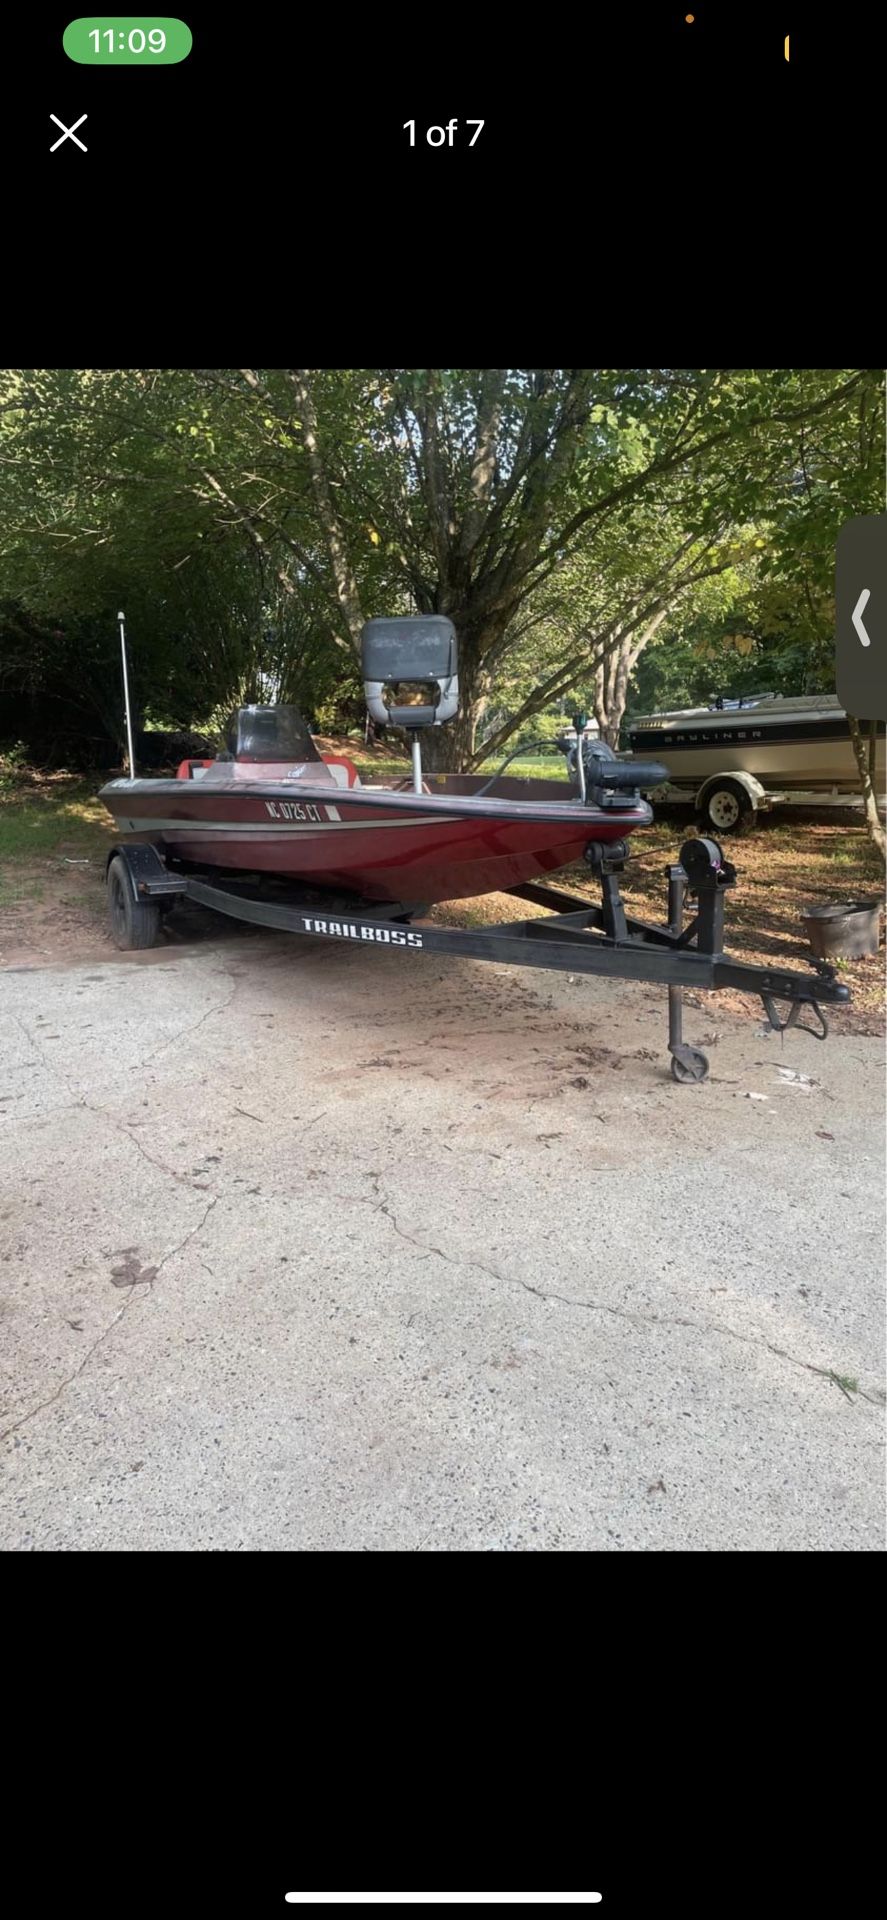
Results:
x,y
295,810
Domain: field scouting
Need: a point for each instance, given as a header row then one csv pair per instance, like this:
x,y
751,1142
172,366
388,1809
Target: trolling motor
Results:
x,y
410,676
604,779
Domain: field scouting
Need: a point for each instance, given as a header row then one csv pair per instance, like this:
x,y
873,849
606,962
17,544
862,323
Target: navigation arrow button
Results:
x,y
856,616
861,617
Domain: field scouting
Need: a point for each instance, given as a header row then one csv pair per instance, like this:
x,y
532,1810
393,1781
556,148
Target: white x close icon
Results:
x,y
68,133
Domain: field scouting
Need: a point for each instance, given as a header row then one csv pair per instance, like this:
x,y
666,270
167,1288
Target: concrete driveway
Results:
x,y
310,1247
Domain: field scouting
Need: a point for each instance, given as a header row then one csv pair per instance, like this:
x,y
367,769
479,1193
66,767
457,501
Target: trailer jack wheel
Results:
x,y
688,1063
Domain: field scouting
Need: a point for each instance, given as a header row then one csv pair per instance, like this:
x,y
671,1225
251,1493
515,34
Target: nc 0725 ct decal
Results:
x,y
294,810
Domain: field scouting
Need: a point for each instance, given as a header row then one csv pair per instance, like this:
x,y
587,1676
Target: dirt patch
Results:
x,y
54,921
55,918
782,868
786,865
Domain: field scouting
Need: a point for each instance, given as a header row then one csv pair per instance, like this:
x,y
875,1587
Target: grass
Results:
x,y
16,887
537,766
52,814
371,766
845,1381
379,765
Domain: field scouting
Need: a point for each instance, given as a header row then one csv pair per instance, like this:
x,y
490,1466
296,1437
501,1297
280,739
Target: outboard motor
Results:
x,y
410,675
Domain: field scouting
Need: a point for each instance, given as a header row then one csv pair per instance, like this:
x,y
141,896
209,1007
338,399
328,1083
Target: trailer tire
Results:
x,y
135,924
727,809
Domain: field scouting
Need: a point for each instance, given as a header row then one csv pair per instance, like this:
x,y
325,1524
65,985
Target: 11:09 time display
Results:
x,y
136,39
107,41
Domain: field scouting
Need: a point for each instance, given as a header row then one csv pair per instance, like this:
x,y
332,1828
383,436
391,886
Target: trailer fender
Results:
x,y
145,869
753,788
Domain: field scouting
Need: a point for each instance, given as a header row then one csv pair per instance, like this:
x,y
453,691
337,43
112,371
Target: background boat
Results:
x,y
800,743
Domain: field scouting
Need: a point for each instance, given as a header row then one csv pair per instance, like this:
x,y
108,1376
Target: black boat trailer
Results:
x,y
576,936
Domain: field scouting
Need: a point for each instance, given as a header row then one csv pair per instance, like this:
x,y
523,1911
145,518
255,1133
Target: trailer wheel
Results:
x,y
689,1064
728,808
134,923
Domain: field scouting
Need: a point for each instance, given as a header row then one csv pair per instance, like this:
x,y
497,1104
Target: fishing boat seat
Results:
x,y
192,769
410,670
343,770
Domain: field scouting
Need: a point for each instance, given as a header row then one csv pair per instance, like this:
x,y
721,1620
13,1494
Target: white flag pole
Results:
x,y
132,764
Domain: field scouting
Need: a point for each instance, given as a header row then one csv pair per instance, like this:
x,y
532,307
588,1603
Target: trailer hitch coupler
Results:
x,y
794,1017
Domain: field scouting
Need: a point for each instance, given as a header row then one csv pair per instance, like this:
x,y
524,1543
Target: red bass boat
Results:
x,y
273,810
273,804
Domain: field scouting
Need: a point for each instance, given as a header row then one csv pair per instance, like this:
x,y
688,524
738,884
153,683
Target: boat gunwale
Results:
x,y
427,806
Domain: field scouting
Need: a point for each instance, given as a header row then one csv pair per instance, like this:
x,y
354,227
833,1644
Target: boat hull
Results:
x,y
382,845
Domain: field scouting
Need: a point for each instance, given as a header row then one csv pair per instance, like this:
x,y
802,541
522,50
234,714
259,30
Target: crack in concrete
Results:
x,y
219,1007
621,1313
120,1126
383,1203
82,1105
51,1066
188,1236
51,1399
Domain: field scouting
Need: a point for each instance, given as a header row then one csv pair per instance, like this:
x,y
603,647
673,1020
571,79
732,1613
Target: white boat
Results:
x,y
793,744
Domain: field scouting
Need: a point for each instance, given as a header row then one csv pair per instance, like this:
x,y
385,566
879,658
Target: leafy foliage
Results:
x,y
578,526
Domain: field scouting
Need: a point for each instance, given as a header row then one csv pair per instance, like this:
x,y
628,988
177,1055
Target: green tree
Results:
x,y
838,473
576,508
465,492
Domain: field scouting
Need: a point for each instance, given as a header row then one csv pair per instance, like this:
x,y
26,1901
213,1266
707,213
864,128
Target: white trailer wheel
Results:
x,y
728,808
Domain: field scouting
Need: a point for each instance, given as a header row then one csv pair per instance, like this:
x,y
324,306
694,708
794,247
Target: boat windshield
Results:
x,y
270,733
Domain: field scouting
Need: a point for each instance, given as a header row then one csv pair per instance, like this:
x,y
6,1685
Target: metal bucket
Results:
x,y
846,929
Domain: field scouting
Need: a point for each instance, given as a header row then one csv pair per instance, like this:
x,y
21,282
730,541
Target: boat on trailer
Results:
x,y
274,832
795,743
734,756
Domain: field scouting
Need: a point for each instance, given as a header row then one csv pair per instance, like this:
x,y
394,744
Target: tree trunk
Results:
x,y
607,709
865,763
450,749
347,592
613,673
